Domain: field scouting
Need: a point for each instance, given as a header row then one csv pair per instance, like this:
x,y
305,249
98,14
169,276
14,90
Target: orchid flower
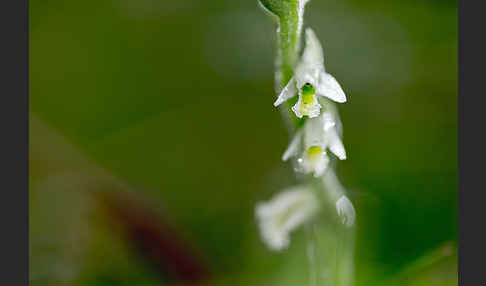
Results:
x,y
310,143
311,81
283,214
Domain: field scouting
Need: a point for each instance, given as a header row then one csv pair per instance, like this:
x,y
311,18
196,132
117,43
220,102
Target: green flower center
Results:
x,y
308,93
314,152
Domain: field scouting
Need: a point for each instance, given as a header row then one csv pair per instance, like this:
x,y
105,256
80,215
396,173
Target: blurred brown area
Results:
x,y
152,237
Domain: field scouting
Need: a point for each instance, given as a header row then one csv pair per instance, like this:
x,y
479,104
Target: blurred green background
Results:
x,y
169,104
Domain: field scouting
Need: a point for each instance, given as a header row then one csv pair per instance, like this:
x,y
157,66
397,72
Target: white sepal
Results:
x,y
288,92
330,88
328,120
312,54
294,146
346,211
334,144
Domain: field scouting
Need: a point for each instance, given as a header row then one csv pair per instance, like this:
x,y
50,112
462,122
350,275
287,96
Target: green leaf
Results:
x,y
438,267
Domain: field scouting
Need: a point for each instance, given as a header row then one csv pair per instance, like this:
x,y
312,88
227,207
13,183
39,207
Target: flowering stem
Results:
x,y
289,15
330,242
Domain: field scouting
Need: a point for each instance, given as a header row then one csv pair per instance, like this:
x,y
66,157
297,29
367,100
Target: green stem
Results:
x,y
290,18
288,42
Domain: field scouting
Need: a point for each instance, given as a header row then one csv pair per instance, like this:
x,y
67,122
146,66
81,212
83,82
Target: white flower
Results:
x,y
346,211
310,143
310,81
285,213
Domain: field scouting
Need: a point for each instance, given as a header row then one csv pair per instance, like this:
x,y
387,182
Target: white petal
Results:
x,y
296,109
314,133
317,164
346,211
335,144
329,87
288,92
331,107
328,120
315,109
293,147
311,64
312,54
307,73
312,111
321,166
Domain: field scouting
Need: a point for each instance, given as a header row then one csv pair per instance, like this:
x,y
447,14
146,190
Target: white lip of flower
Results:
x,y
307,103
310,71
284,213
317,135
346,211
315,160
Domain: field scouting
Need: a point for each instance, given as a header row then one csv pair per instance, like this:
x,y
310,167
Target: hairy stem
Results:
x,y
289,15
